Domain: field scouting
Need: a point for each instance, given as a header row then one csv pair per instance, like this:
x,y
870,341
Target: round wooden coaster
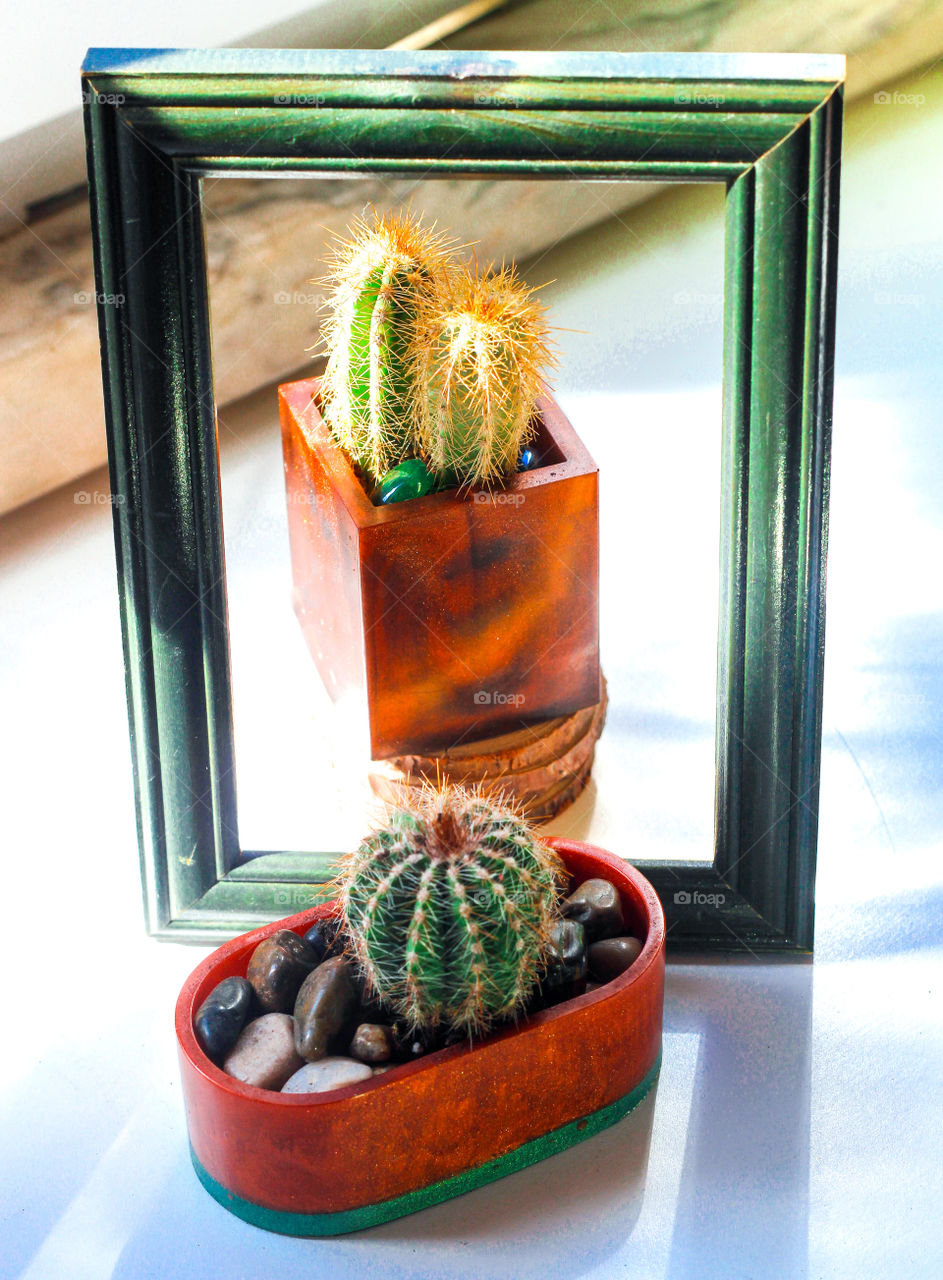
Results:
x,y
542,768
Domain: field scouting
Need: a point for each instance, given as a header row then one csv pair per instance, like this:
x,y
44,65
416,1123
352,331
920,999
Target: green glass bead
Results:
x,y
410,479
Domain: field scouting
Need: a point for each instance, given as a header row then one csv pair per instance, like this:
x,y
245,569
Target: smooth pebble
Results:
x,y
327,1073
277,968
324,1009
596,906
222,1015
265,1055
612,956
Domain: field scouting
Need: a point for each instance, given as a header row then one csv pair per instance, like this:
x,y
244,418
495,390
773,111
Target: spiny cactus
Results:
x,y
381,279
481,354
449,910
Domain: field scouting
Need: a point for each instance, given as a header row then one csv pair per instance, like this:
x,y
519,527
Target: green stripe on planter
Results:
x,y
371,1215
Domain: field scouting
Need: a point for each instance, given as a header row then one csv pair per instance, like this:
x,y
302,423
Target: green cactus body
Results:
x,y
382,281
482,356
476,424
449,910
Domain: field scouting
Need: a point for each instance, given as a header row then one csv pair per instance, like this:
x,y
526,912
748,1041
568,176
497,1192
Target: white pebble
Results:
x,y
325,1074
265,1054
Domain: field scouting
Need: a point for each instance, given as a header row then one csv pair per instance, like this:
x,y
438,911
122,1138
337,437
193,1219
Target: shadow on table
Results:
x,y
743,1196
722,1188
560,1217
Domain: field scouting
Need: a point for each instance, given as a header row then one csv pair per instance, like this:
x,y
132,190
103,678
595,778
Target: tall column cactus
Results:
x,y
449,910
383,277
481,355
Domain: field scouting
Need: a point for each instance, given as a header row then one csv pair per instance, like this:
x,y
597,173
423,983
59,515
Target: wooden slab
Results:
x,y
542,768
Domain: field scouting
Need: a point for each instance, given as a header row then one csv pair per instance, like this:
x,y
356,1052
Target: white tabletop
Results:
x,y
796,1127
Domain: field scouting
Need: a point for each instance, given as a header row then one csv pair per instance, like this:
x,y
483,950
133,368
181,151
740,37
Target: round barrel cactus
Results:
x,y
449,908
482,354
383,277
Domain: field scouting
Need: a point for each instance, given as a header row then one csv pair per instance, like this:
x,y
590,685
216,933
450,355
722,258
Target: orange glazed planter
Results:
x,y
326,1163
460,617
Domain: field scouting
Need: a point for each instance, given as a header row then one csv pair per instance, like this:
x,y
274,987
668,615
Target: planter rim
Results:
x,y
302,396
187,1000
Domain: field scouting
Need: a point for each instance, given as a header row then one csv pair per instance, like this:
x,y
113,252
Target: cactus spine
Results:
x,y
481,353
449,909
382,279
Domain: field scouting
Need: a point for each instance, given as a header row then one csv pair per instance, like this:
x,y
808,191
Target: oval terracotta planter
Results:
x,y
321,1164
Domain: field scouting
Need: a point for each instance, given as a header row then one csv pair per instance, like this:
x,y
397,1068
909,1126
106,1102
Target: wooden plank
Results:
x,y
265,240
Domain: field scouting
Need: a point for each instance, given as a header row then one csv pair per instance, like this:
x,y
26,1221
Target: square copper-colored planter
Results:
x,y
460,617
321,1164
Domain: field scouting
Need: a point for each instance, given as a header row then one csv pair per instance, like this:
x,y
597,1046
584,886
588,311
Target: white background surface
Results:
x,y
796,1129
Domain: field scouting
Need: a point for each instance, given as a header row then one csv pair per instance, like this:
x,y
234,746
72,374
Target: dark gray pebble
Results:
x,y
565,975
222,1015
326,937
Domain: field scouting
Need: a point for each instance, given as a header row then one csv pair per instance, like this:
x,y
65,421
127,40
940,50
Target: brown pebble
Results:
x,y
372,1043
277,968
612,956
324,1010
597,907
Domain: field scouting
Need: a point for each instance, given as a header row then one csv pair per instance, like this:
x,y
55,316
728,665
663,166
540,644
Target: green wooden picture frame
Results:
x,y
766,126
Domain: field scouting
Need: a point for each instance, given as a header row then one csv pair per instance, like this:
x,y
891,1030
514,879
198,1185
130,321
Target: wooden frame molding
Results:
x,y
767,126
